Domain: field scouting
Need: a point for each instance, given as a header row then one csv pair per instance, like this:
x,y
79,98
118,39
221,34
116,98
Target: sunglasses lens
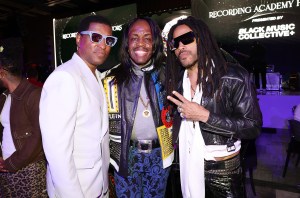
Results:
x,y
176,44
96,37
185,39
110,41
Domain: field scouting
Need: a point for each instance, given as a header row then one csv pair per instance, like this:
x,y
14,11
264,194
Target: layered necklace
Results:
x,y
146,112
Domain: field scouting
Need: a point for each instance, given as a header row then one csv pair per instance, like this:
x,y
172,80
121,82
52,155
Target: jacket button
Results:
x,y
26,133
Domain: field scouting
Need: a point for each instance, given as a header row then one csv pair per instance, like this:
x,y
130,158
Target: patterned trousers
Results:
x,y
28,182
147,178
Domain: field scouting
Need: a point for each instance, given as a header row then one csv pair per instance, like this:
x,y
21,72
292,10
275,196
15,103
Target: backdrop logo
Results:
x,y
271,31
269,7
73,35
117,28
69,35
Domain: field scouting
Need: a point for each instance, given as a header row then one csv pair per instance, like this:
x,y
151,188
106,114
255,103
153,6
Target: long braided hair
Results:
x,y
211,63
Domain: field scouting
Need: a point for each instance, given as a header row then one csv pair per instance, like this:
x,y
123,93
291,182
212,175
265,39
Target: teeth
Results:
x,y
140,53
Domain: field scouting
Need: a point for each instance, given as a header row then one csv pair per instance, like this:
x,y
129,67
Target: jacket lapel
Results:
x,y
103,105
89,79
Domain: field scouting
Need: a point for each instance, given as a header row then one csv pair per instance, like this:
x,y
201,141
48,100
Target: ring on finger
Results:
x,y
179,109
181,115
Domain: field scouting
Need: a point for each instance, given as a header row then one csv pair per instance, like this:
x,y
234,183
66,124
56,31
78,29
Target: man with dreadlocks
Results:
x,y
216,108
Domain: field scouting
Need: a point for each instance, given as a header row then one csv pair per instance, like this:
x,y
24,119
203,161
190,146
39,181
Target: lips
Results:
x,y
100,52
183,54
140,53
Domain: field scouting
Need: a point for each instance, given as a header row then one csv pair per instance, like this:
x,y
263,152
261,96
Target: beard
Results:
x,y
189,65
190,61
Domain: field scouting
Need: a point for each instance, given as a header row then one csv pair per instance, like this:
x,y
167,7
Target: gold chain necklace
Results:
x,y
146,112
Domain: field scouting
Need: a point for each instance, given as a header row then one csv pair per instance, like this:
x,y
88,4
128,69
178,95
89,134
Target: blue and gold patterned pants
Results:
x,y
147,178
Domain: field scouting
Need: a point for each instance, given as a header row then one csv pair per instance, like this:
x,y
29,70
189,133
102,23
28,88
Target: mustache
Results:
x,y
183,51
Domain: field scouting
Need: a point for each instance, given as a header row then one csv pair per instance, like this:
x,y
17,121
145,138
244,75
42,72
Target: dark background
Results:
x,y
27,26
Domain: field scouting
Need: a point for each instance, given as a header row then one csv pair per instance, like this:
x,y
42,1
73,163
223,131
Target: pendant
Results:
x,y
166,118
146,113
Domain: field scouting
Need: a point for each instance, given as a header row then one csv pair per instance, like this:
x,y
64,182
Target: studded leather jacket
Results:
x,y
121,123
236,113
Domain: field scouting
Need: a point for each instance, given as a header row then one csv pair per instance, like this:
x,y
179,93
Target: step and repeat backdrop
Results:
x,y
239,25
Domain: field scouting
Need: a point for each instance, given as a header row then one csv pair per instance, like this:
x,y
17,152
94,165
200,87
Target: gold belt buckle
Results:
x,y
144,146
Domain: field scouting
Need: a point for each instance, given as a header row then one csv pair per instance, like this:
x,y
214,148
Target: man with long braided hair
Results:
x,y
216,108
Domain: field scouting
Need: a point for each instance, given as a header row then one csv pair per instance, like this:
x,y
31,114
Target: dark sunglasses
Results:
x,y
185,39
97,38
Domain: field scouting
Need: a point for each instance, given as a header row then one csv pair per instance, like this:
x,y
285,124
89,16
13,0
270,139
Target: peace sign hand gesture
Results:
x,y
189,110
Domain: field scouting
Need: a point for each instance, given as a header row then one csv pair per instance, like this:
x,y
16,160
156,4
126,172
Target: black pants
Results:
x,y
224,179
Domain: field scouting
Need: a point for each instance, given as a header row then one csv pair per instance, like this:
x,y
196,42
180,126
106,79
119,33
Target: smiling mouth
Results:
x,y
140,53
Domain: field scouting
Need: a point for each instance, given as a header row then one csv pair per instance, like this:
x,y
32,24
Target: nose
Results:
x,y
180,45
102,44
140,43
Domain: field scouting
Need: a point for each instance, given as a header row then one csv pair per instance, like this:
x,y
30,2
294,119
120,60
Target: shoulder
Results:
x,y
120,73
159,71
34,89
61,82
25,89
74,66
236,72
116,70
69,71
70,66
110,71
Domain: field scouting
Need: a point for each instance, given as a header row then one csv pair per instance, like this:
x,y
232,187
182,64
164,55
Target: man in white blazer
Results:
x,y
74,117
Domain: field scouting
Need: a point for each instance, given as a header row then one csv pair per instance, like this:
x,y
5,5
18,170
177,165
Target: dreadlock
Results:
x,y
211,63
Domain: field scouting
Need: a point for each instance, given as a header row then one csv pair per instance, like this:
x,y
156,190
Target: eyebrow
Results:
x,y
139,33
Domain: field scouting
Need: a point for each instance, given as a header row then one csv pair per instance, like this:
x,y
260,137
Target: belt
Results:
x,y
231,165
145,146
227,157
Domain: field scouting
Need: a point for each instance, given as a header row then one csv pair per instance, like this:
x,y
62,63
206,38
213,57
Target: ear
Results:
x,y
3,73
78,37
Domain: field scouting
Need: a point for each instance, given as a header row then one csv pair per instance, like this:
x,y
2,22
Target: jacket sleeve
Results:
x,y
58,105
243,119
32,146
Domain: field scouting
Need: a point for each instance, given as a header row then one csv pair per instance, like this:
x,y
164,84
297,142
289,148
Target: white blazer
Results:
x,y
74,126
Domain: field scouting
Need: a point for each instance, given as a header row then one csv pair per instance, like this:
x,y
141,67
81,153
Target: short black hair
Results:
x,y
85,22
10,64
